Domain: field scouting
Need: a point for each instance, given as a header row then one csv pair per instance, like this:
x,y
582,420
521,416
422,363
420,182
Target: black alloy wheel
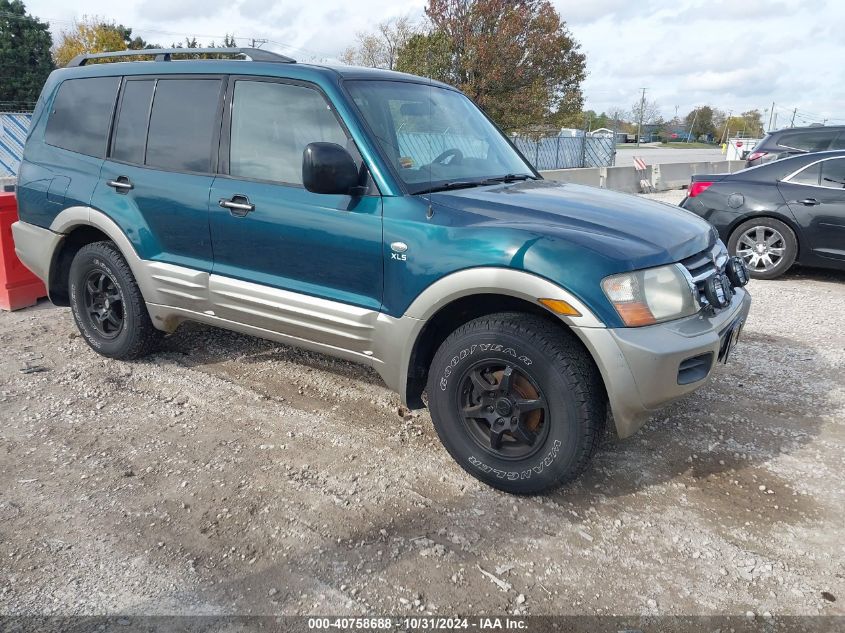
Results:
x,y
103,304
503,409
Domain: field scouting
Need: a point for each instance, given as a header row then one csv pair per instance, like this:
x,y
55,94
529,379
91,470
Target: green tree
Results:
x,y
701,122
515,58
748,124
95,35
25,59
427,55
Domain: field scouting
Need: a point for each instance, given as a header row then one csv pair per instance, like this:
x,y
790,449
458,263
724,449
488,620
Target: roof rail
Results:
x,y
164,54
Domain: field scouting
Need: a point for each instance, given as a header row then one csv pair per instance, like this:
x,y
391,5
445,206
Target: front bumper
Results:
x,y
641,366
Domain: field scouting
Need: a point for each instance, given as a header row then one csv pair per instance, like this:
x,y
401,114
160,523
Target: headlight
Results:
x,y
644,297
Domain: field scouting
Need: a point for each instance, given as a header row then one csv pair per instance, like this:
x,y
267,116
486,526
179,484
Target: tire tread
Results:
x,y
567,354
145,338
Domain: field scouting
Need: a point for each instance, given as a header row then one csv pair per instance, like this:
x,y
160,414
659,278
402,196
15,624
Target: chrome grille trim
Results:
x,y
704,265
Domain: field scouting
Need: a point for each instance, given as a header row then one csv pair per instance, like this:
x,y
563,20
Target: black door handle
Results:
x,y
809,202
121,184
238,205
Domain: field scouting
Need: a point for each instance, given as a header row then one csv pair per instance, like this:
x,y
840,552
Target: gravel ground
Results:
x,y
230,475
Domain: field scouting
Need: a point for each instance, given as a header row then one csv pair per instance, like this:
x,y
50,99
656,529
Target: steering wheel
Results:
x,y
454,153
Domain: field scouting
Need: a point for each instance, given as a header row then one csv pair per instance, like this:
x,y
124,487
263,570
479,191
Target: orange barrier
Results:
x,y
19,288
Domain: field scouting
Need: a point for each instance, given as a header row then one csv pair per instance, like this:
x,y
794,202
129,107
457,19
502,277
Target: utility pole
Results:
x,y
692,125
640,119
256,43
794,112
724,138
771,114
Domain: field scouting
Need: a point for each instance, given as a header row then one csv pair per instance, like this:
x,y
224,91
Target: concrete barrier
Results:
x,y
625,179
582,176
662,177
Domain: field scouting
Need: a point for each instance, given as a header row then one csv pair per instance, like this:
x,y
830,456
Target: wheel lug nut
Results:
x,y
490,409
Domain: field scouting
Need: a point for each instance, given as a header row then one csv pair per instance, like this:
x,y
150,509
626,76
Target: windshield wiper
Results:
x,y
454,184
508,178
466,184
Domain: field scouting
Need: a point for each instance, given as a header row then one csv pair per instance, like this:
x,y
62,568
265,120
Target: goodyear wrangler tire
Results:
x,y
107,304
517,401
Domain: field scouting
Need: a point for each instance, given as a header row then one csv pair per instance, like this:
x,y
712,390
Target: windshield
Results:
x,y
435,138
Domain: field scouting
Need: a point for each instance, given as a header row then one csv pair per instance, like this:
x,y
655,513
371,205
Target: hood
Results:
x,y
633,231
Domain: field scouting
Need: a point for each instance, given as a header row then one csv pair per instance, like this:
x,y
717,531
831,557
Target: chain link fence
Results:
x,y
13,130
567,152
548,152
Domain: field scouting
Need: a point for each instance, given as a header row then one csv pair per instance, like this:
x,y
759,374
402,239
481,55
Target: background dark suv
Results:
x,y
796,140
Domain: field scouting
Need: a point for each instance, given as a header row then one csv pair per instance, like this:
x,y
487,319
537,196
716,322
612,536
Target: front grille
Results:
x,y
705,264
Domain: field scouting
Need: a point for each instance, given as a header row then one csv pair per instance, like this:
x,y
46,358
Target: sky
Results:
x,y
735,55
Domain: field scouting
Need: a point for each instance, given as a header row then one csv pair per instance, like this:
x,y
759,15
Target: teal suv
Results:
x,y
377,217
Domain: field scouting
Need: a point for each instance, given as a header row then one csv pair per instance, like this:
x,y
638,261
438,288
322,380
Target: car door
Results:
x,y
285,259
816,197
157,176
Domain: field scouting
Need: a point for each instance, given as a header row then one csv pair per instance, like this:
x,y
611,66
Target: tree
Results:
x,y
700,122
749,124
650,112
380,49
95,35
426,54
25,59
515,58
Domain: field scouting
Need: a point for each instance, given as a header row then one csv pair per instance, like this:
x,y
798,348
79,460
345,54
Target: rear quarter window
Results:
x,y
81,115
807,141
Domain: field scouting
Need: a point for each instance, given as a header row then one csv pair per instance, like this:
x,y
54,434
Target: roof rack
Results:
x,y
164,54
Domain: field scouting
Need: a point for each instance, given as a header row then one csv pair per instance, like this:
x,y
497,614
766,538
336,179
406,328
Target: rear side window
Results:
x,y
130,129
807,141
81,115
833,173
182,124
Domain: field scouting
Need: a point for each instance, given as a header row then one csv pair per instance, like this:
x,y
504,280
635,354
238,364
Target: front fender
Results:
x,y
396,338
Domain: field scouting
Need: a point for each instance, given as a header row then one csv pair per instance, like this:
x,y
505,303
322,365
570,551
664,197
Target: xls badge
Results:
x,y
399,251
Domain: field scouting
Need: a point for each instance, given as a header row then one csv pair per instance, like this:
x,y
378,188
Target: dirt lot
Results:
x,y
229,475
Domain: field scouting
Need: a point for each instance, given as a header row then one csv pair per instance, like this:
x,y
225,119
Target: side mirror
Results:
x,y
328,168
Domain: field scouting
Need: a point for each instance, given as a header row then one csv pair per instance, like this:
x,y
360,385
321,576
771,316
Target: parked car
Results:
x,y
377,217
796,140
792,210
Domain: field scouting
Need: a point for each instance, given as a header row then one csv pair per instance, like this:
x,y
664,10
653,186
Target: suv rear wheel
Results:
x,y
107,305
517,402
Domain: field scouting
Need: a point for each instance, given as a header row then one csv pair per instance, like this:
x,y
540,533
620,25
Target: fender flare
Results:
x,y
397,338
73,217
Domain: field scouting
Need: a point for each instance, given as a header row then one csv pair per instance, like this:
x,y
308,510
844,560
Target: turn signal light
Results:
x,y
635,314
559,306
697,188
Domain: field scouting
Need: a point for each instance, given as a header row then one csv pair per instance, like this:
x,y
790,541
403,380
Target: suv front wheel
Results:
x,y
107,304
517,402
